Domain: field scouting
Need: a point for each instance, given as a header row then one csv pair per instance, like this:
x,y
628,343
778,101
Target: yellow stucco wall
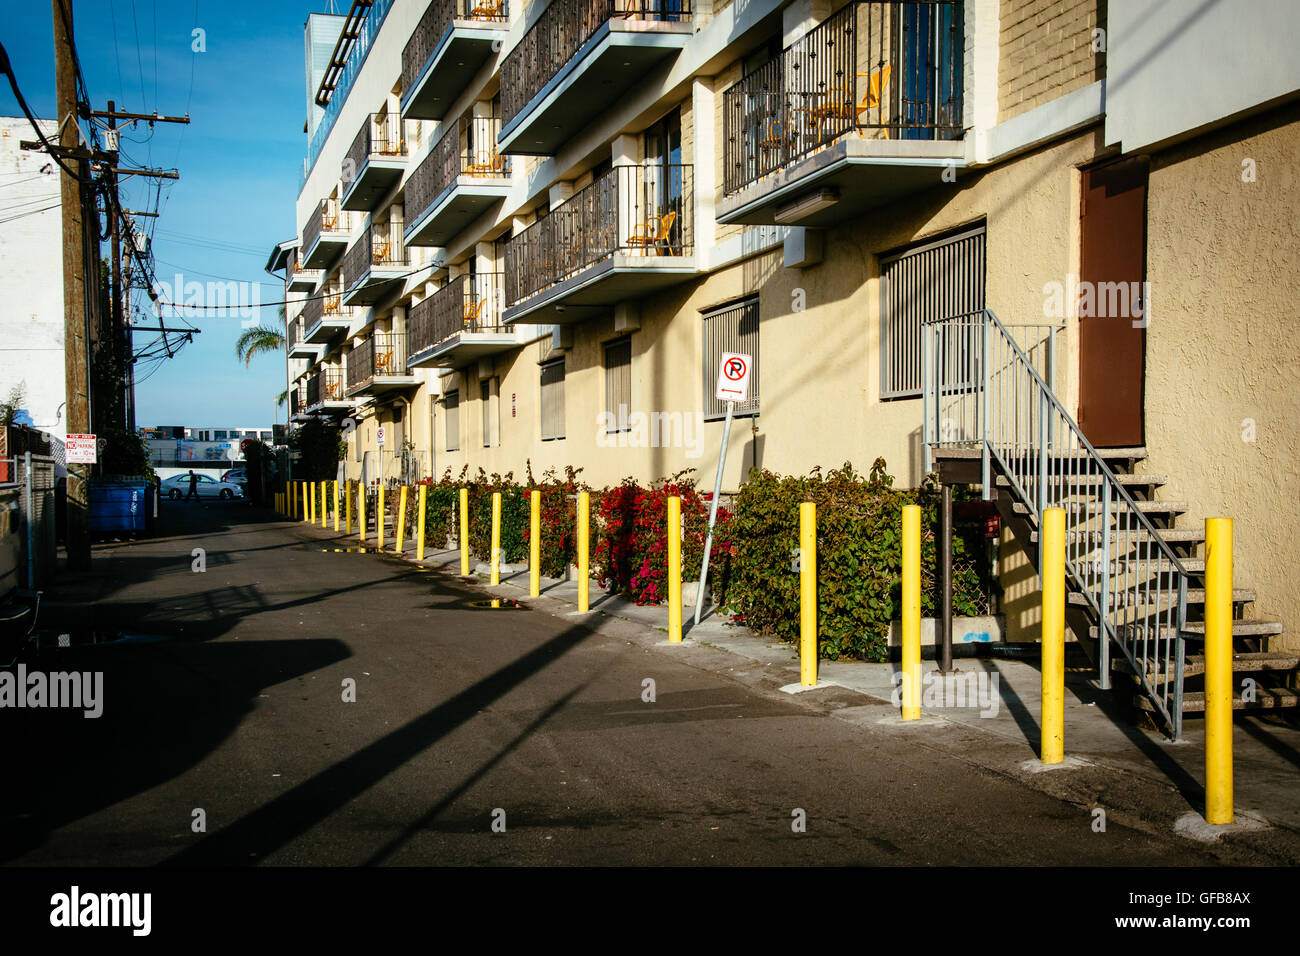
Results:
x,y
1222,353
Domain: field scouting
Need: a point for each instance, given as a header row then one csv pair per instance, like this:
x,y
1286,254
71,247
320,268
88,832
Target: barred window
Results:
x,y
932,280
618,381
552,402
733,328
452,420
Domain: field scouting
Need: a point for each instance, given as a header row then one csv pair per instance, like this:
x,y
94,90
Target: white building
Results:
x,y
31,279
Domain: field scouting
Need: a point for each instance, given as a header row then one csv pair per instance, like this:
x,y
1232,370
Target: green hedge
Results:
x,y
859,558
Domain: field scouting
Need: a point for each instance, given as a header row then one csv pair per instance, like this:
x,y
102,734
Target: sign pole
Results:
x,y
713,513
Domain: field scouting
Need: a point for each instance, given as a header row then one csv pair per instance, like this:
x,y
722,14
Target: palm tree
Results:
x,y
259,340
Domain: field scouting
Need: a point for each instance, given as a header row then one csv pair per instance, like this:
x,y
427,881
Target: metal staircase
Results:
x,y
1133,581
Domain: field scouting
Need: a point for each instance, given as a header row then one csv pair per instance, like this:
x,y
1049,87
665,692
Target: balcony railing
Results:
x,y
327,306
888,69
637,210
383,354
382,135
326,385
291,334
328,218
560,32
379,246
434,23
468,303
467,148
297,399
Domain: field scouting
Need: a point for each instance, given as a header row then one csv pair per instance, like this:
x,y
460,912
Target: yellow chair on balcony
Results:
x,y
331,391
472,311
876,82
490,10
383,361
487,163
380,252
649,234
333,304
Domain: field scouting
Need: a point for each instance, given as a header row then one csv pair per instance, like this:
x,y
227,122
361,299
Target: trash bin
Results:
x,y
120,507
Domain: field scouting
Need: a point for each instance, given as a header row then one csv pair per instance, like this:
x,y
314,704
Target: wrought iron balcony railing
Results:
x,y
383,354
326,385
468,148
328,218
560,32
434,23
468,303
382,135
886,69
323,306
379,246
637,210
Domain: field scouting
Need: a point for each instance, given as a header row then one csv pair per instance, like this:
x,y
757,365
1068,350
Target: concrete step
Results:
x,y
1164,597
1094,507
1178,536
1266,698
1095,480
1130,453
1257,627
1261,662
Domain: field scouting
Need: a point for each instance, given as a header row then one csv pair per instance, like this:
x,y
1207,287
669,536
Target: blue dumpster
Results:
x,y
120,507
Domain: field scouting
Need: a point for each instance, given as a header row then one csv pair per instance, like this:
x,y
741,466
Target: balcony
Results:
x,y
577,60
375,163
379,365
628,234
325,235
296,345
298,403
460,323
449,46
298,278
462,177
324,317
862,110
376,264
324,391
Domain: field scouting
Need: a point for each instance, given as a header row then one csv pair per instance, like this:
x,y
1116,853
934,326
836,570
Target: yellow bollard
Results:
x,y
1218,670
584,535
419,524
911,612
401,520
535,545
335,503
464,532
380,517
808,594
361,511
347,507
674,569
496,537
1052,539
306,502
323,486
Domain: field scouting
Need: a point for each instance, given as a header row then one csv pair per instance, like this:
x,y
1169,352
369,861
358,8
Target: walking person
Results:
x,y
194,487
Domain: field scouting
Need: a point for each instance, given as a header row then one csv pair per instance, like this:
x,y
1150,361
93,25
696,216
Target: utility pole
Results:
x,y
75,271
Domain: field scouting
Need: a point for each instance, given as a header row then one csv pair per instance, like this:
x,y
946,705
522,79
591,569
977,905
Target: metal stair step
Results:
x,y
1266,698
1129,453
1166,596
1249,662
1170,535
1093,507
1256,627
1124,479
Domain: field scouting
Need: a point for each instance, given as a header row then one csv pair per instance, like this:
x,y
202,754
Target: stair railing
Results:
x,y
982,391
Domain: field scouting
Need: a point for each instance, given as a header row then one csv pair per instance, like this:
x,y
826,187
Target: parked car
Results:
x,y
238,476
178,486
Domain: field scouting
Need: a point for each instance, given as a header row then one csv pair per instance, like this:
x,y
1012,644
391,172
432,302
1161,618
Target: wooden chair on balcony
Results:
x,y
487,163
383,361
488,10
380,252
333,304
648,236
331,391
472,312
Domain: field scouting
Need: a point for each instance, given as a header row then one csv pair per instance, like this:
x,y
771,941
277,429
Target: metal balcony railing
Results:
x,y
326,305
468,303
434,23
328,218
468,148
379,246
297,399
326,385
639,210
887,69
382,135
560,32
383,354
291,334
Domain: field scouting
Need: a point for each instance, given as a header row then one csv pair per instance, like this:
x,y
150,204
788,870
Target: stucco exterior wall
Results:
x,y
1223,361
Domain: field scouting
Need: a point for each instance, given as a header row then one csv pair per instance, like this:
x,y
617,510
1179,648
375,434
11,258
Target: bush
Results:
x,y
558,519
859,558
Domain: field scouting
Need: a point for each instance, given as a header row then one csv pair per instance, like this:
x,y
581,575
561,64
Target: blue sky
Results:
x,y
239,162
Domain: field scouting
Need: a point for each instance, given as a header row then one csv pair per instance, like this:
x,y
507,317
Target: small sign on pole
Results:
x,y
81,450
733,386
379,436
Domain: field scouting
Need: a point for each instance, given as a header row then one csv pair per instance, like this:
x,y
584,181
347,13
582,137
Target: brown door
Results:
x,y
1112,303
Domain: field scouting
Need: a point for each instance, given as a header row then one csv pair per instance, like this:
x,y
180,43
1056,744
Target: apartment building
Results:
x,y
527,232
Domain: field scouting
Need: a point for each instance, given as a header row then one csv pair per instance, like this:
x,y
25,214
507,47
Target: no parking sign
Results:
x,y
733,377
